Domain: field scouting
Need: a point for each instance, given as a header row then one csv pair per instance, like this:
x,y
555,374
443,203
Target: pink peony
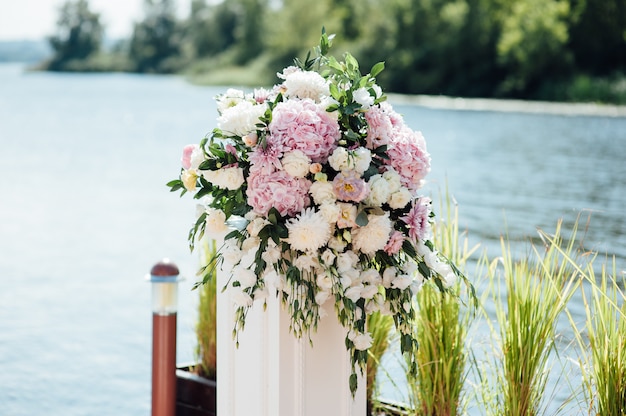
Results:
x,y
349,186
408,156
302,125
417,219
280,190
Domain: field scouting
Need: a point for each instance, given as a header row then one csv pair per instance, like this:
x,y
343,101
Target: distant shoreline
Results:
x,y
514,106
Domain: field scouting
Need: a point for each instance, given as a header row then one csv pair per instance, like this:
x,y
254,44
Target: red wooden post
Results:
x,y
164,279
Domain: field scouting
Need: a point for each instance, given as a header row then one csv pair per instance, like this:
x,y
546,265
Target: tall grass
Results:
x,y
380,327
536,291
437,388
206,327
603,345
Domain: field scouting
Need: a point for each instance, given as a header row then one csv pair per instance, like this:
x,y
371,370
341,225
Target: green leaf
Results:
x,y
353,383
377,69
361,219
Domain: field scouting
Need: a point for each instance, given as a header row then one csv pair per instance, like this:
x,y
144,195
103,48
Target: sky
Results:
x,y
36,19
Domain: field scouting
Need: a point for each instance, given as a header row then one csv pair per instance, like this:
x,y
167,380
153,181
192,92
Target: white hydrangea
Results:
x,y
241,119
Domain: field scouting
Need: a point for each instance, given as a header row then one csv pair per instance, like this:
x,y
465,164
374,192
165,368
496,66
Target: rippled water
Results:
x,y
84,213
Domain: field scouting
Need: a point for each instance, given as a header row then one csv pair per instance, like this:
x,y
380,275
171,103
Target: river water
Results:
x,y
85,213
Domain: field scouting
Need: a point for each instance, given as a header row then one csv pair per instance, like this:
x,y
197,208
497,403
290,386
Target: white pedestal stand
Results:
x,y
274,374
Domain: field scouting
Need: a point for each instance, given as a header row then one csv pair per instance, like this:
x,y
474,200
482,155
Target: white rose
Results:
x,y
256,225
322,193
393,180
363,97
296,163
337,244
339,159
328,257
230,98
400,198
346,261
369,291
231,253
324,281
226,178
389,275
379,191
362,159
330,213
374,236
240,298
401,282
321,297
215,221
245,277
354,293
361,341
189,179
371,276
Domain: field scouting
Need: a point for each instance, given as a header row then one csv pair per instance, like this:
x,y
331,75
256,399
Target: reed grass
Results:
x,y
536,291
602,341
206,327
380,327
437,388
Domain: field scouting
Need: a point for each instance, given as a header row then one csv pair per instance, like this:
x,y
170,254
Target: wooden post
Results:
x,y
164,279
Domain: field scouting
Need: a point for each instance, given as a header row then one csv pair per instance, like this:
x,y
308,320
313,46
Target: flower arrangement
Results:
x,y
324,177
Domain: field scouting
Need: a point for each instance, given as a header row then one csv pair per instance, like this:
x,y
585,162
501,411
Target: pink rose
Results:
x,y
187,152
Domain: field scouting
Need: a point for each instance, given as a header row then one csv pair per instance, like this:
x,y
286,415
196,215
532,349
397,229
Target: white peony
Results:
x,y
374,236
309,231
296,163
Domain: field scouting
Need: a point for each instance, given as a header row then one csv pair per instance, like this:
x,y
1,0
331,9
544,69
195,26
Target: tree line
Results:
x,y
547,49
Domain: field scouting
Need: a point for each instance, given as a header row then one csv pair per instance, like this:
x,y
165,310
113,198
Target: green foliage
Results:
x,y
78,37
473,48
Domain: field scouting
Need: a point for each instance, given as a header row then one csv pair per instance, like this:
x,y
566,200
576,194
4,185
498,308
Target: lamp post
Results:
x,y
164,277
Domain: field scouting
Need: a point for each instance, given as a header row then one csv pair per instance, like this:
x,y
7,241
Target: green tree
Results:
x,y
532,46
598,35
211,28
79,34
155,45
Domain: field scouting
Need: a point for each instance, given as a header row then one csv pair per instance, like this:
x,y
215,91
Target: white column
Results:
x,y
274,374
